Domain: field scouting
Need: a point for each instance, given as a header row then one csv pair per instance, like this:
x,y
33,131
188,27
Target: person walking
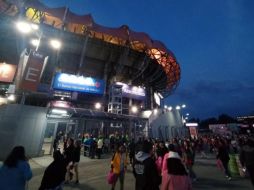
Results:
x,y
69,158
76,159
247,158
144,169
99,147
223,155
16,171
131,151
119,165
54,174
175,176
188,157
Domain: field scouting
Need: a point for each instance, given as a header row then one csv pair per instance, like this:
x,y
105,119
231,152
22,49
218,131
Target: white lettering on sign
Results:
x,y
134,92
31,72
80,80
36,54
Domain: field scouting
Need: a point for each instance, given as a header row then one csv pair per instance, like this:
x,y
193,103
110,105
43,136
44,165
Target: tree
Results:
x,y
224,119
204,124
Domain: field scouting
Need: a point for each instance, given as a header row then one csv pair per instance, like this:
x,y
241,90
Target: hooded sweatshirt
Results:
x,y
145,172
173,182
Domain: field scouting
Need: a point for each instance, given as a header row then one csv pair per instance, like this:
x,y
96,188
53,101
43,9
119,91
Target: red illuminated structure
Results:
x,y
112,54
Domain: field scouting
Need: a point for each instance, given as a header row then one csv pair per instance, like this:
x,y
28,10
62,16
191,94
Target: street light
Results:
x,y
35,42
24,27
187,114
183,106
97,106
165,106
170,108
178,107
56,44
134,109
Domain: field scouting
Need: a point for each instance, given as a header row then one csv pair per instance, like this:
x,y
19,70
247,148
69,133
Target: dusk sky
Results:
x,y
213,40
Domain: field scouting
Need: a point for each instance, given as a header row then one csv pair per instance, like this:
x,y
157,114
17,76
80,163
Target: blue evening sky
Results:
x,y
211,39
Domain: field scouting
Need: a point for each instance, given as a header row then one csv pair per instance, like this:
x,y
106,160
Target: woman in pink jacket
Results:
x,y
174,174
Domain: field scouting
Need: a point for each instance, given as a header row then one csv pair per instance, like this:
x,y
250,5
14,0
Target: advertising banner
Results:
x,y
68,82
7,72
133,92
31,76
193,132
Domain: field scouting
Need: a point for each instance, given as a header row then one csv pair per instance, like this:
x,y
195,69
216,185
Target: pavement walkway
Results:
x,y
93,174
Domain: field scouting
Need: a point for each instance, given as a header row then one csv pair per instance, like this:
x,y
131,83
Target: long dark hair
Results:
x,y
175,167
17,153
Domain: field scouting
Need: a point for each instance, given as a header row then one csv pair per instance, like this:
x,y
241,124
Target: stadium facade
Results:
x,y
98,80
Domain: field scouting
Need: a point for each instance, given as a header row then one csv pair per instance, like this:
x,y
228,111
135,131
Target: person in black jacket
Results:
x,y
69,159
54,174
76,159
247,157
223,155
144,169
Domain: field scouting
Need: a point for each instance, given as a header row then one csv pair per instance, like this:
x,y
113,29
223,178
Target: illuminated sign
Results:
x,y
191,124
157,99
60,104
133,92
7,72
75,83
33,71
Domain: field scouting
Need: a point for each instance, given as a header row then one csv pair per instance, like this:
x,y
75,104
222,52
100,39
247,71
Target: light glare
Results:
x,y
134,109
34,26
170,108
24,27
35,42
56,44
97,105
58,111
11,97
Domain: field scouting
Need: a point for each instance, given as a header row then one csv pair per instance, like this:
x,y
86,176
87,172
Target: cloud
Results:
x,y
211,98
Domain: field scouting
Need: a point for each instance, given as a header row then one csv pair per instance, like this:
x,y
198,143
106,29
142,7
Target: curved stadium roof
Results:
x,y
85,25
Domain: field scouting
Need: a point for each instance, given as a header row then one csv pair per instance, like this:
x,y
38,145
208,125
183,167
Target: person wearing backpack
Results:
x,y
144,169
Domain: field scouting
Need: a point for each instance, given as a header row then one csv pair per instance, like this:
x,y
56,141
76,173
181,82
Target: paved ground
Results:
x,y
93,176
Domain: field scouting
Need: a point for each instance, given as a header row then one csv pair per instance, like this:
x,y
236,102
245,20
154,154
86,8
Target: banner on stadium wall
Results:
x,y
32,73
134,92
193,132
7,72
68,82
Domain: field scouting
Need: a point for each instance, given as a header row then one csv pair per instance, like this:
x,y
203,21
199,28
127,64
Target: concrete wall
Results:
x,y
21,125
166,125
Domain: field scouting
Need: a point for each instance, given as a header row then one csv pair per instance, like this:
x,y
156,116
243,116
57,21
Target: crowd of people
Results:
x,y
169,165
164,165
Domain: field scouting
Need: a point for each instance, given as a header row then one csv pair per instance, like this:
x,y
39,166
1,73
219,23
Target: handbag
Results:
x,y
111,177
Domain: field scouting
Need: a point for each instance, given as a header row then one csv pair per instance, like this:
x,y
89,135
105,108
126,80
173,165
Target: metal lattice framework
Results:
x,y
62,18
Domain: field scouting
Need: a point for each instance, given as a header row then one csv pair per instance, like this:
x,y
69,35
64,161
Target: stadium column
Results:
x,y
149,97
